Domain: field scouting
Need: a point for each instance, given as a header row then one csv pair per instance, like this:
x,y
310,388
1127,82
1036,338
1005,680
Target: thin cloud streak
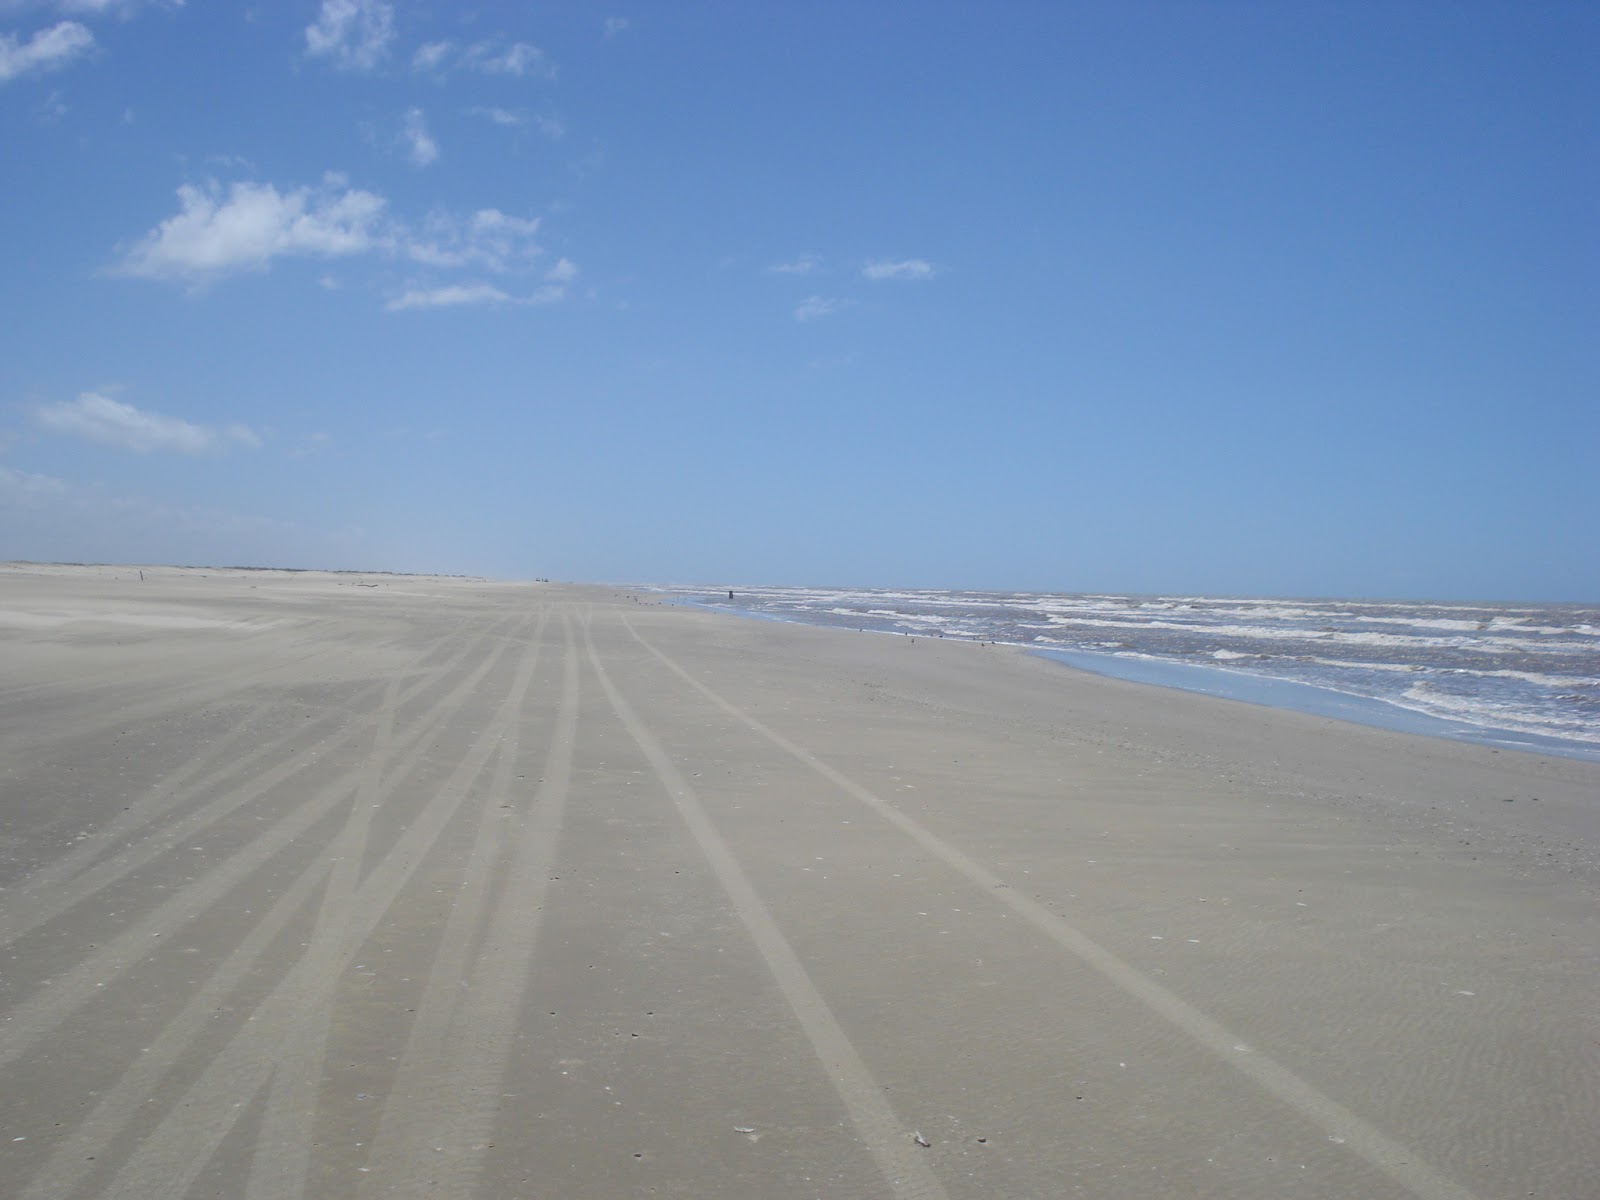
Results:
x,y
910,268
814,308
460,295
421,148
100,418
805,264
492,56
47,50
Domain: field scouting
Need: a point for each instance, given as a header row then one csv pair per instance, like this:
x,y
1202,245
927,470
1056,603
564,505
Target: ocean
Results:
x,y
1518,675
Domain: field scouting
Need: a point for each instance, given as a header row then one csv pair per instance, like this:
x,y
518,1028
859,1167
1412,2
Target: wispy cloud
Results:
x,y
909,268
246,226
616,25
95,8
100,418
431,56
488,239
500,116
420,146
461,294
24,489
355,34
551,127
806,264
814,308
47,50
452,296
519,58
492,56
250,224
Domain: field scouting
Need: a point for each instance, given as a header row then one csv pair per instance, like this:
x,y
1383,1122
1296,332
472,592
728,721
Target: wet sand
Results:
x,y
333,885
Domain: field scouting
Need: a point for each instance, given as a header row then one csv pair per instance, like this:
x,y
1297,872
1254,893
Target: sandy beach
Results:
x,y
337,885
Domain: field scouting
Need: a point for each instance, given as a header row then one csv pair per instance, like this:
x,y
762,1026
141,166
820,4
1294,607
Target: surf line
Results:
x,y
883,1133
1402,1165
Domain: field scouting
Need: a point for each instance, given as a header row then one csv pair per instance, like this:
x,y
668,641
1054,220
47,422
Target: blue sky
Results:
x,y
1211,297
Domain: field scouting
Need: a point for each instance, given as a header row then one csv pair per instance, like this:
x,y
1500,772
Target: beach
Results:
x,y
330,884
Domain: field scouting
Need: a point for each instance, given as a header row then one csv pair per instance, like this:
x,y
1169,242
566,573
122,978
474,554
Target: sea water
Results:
x,y
1523,675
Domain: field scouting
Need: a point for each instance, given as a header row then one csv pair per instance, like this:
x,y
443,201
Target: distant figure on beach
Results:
x,y
730,593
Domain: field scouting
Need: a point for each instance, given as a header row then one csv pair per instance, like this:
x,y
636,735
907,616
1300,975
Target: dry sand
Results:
x,y
450,888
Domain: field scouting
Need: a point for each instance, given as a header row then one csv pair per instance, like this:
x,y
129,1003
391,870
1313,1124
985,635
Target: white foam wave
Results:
x,y
1477,711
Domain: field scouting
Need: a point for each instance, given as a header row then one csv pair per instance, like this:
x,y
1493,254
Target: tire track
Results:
x,y
1398,1162
36,1017
170,1158
68,881
446,1091
69,1164
73,1158
886,1137
152,699
283,1148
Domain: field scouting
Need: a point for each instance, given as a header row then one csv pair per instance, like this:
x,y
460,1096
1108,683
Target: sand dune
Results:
x,y
449,888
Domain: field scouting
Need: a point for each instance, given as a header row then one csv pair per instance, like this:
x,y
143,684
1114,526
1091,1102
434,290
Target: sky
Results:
x,y
1217,298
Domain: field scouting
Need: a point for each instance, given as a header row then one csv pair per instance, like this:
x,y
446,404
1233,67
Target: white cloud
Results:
x,y
354,33
615,25
460,294
452,296
253,224
245,226
500,116
103,419
813,308
551,127
806,264
47,50
519,58
420,145
492,56
910,268
488,238
430,56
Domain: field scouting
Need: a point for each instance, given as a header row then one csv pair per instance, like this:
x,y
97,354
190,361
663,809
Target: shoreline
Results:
x,y
1247,688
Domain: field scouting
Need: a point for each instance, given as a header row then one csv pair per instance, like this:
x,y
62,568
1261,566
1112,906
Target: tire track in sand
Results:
x,y
26,1023
445,1095
75,876
1398,1162
283,1147
70,1163
74,1157
886,1137
172,1155
116,706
